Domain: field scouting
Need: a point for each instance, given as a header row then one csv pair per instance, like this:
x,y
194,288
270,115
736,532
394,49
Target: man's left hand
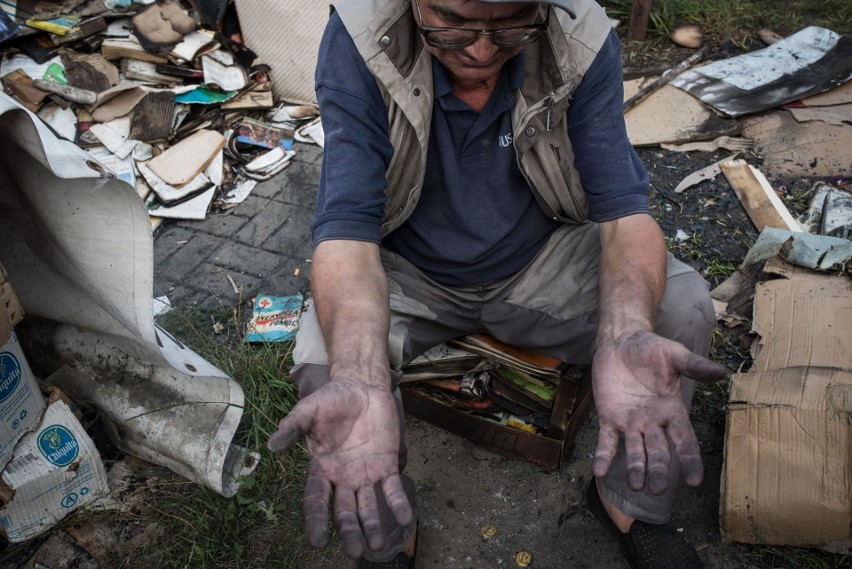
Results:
x,y
637,389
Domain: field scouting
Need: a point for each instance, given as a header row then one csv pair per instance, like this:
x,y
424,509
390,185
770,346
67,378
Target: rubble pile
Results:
x,y
157,93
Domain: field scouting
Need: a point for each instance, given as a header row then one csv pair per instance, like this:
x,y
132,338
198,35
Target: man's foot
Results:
x,y
645,546
403,560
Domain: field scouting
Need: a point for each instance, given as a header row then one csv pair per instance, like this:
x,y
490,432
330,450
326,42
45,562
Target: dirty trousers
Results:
x,y
549,306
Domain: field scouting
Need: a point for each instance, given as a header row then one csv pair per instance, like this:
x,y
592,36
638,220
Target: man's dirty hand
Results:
x,y
637,389
352,433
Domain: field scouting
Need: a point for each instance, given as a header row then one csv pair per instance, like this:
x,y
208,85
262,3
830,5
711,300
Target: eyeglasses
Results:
x,y
456,38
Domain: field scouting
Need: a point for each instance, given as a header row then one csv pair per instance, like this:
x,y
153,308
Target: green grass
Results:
x,y
800,558
262,525
734,20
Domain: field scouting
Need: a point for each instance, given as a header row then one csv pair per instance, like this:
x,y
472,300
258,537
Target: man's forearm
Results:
x,y
350,293
632,276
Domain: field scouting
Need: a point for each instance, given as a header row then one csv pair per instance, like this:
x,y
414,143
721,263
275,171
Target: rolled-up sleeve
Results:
x,y
613,177
357,148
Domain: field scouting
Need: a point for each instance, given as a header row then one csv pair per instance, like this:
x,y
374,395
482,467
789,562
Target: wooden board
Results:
x,y
760,201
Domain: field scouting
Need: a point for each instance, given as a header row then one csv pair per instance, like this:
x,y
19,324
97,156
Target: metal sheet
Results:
x,y
811,61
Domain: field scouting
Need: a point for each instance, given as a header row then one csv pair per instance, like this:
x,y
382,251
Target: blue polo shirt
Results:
x,y
477,219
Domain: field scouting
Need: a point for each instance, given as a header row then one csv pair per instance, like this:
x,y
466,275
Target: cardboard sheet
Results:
x,y
837,96
185,160
790,148
834,114
669,115
788,452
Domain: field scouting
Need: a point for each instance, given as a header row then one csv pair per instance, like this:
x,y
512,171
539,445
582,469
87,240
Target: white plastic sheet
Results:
x,y
77,244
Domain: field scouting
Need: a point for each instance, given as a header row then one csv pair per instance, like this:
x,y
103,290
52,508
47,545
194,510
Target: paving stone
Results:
x,y
199,248
245,259
300,185
223,225
293,238
250,207
214,280
265,224
285,282
307,153
169,239
163,287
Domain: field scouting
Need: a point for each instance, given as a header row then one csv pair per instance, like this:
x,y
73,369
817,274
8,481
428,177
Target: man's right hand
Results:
x,y
353,434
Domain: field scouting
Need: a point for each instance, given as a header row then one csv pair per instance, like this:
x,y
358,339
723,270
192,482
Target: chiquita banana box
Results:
x,y
54,470
21,401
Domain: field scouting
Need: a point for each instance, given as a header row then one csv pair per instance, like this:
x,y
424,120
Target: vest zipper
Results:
x,y
547,102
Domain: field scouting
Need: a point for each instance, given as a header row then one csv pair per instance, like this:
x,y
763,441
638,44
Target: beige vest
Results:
x,y
387,38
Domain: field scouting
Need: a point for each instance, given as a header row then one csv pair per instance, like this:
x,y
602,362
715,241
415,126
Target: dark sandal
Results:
x,y
401,561
645,546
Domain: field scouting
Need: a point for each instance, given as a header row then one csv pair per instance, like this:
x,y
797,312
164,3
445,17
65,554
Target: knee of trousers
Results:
x,y
686,313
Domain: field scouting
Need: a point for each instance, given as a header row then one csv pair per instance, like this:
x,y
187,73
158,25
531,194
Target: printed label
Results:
x,y
10,375
58,445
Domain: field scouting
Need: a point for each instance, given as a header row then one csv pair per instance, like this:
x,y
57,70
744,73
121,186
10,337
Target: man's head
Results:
x,y
473,39
566,5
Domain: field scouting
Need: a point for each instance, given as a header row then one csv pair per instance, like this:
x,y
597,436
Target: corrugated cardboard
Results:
x,y
788,453
286,35
55,470
21,402
10,309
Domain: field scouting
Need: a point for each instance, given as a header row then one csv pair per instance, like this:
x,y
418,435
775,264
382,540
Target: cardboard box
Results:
x,y
10,309
787,478
21,402
55,470
570,410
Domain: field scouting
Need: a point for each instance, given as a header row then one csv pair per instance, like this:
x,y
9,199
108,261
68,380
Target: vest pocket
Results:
x,y
574,206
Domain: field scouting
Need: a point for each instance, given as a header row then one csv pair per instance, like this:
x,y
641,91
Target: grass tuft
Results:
x,y
735,19
262,525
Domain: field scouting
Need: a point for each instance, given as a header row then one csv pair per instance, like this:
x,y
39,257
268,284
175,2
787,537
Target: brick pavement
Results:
x,y
259,244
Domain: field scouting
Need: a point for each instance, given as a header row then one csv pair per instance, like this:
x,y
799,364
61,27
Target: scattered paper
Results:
x,y
121,167
706,173
162,305
240,192
193,208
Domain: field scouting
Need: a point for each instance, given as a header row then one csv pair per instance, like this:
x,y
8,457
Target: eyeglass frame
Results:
x,y
426,30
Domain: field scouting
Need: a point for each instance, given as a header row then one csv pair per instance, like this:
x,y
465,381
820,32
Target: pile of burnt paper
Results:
x,y
477,374
156,93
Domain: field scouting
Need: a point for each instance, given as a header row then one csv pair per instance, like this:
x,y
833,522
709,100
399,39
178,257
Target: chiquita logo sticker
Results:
x,y
10,375
58,445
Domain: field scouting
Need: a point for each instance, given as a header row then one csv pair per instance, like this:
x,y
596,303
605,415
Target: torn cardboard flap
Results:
x,y
10,308
672,116
803,322
185,160
55,470
787,478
